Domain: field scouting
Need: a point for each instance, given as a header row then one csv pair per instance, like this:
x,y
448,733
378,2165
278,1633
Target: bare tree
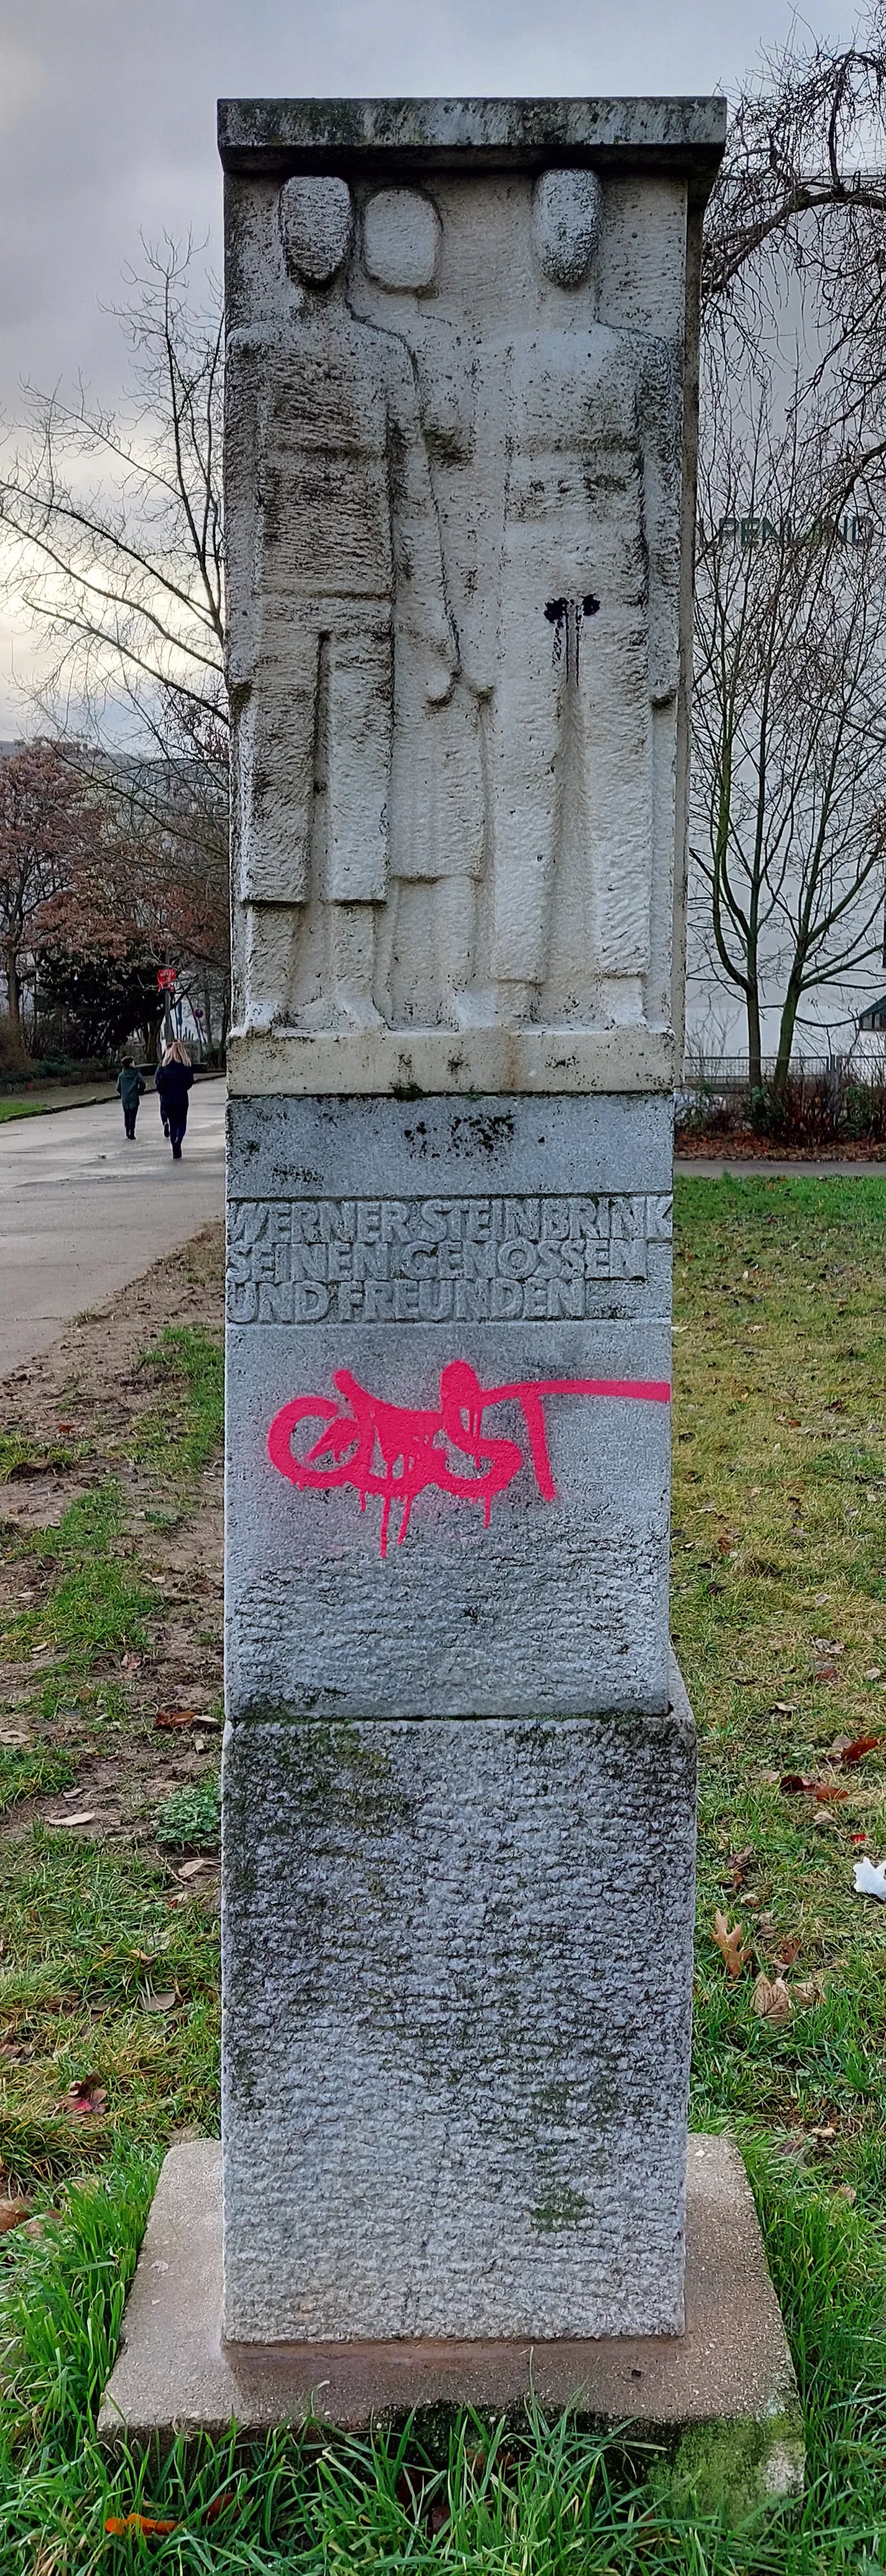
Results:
x,y
800,202
789,829
113,525
113,540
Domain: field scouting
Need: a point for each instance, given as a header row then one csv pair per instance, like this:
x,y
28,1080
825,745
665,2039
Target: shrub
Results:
x,y
829,1108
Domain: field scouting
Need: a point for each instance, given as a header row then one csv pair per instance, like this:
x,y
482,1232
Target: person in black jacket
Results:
x,y
130,1087
173,1080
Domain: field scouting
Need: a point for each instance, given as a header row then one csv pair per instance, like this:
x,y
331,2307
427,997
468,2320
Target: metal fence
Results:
x,y
732,1073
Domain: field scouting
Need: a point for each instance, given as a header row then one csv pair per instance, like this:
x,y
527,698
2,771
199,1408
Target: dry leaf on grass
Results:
x,y
783,1708
844,2191
806,1993
771,1999
86,2100
15,1735
13,2213
730,1944
84,1816
159,2003
794,1782
169,1717
738,1865
131,1664
119,2523
150,2523
862,1744
195,1868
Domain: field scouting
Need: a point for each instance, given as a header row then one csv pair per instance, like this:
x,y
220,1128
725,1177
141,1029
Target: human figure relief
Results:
x,y
336,542
587,626
437,844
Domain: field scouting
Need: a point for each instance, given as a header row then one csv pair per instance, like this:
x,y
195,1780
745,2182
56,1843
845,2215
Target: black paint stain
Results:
x,y
567,616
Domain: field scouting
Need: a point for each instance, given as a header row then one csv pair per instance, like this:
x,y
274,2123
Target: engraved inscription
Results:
x,y
436,1260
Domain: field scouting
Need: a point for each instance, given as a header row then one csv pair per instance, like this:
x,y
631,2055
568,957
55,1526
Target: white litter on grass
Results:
x,y
870,1881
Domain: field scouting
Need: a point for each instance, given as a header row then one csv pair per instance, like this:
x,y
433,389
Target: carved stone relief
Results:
x,y
453,511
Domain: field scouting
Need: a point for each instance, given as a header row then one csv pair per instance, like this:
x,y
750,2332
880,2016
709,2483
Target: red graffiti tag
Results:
x,y
397,1450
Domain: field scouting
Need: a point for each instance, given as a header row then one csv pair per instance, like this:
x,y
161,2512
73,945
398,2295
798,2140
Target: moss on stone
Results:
x,y
734,2468
564,2209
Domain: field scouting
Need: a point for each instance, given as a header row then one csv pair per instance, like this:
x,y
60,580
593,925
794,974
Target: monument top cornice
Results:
x,y
681,136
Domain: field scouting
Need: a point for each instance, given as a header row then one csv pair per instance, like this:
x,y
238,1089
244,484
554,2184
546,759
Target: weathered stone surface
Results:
x,y
376,1250
401,239
457,1977
458,1785
648,134
270,1063
724,2389
456,483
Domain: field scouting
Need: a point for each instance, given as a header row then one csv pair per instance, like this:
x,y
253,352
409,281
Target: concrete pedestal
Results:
x,y
457,1978
723,2390
458,1784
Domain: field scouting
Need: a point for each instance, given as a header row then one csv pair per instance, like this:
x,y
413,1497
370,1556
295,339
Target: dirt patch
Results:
x,y
71,1421
741,1144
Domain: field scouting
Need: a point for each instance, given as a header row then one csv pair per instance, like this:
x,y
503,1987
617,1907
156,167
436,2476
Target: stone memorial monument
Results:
x,y
459,1791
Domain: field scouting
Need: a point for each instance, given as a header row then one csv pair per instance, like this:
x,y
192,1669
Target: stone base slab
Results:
x,y
397,1061
457,1981
730,2371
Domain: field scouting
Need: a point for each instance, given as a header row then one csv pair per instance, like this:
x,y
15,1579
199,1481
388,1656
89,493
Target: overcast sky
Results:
x,y
107,123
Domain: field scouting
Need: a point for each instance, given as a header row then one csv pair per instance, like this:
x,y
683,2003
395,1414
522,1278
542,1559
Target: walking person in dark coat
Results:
x,y
130,1087
173,1080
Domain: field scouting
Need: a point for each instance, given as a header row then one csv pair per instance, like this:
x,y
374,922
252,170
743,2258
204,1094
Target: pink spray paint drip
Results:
x,y
398,1451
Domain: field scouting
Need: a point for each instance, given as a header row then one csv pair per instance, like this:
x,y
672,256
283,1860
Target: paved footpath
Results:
x,y
82,1212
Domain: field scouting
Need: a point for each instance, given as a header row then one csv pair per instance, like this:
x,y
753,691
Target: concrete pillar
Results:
x,y
459,1766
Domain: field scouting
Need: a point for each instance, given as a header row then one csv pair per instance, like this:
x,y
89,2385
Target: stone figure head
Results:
x,y
567,209
401,239
317,226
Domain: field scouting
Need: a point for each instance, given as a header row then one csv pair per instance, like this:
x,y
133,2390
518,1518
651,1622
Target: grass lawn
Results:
x,y
43,1097
108,1979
